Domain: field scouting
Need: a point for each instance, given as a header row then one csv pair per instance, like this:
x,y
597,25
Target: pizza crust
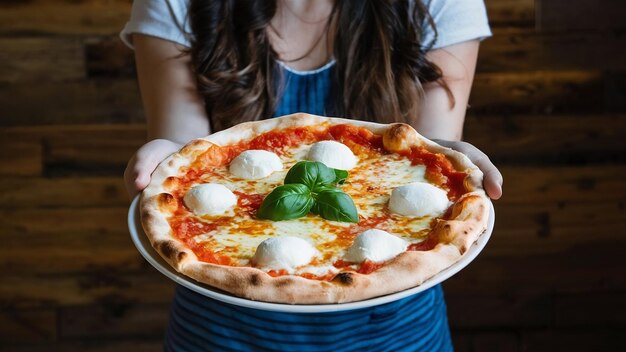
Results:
x,y
468,220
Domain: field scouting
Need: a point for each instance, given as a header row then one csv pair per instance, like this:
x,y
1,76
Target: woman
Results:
x,y
207,65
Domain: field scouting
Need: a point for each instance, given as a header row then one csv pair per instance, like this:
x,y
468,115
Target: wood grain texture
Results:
x,y
560,15
64,16
112,320
590,308
544,92
513,49
36,59
574,340
72,102
553,139
36,192
28,325
511,13
105,287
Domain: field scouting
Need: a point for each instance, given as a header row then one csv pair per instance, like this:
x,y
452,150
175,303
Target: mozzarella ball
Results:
x,y
375,245
255,164
419,199
210,199
283,252
333,154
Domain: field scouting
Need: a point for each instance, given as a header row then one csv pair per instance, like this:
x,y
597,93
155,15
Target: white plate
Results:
x,y
145,248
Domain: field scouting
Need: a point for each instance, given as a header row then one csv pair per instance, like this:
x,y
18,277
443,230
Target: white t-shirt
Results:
x,y
456,21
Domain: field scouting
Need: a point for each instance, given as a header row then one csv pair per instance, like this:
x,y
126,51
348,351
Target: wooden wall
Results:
x,y
548,105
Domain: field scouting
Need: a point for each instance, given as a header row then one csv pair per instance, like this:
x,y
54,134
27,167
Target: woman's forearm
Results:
x,y
439,117
174,108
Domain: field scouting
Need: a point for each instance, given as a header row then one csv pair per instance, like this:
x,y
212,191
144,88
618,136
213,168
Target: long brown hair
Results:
x,y
381,63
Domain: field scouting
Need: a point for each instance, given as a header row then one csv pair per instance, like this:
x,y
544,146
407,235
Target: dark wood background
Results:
x,y
548,105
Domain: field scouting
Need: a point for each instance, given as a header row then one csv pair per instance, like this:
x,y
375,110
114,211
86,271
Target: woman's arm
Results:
x,y
174,110
443,122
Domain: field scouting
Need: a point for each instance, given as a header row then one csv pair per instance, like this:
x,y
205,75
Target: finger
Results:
x,y
493,184
142,172
492,178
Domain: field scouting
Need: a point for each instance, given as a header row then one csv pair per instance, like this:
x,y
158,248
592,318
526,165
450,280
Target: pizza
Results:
x,y
304,209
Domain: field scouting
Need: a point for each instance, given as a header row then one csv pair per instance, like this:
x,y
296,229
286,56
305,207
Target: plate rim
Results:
x,y
141,242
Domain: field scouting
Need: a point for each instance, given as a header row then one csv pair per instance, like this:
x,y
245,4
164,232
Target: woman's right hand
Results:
x,y
142,164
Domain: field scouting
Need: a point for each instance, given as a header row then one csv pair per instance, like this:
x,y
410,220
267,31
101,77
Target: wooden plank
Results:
x,y
91,149
539,92
30,325
37,59
615,91
577,270
21,159
113,321
105,287
525,50
562,15
461,341
67,240
507,13
563,184
109,57
498,309
104,148
556,229
63,192
540,139
83,101
64,16
72,221
113,345
496,341
590,309
575,340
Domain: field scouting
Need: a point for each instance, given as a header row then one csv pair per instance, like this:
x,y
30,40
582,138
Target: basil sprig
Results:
x,y
310,186
286,202
314,174
333,204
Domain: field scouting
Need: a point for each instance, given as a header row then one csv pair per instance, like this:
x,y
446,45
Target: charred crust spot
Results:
x,y
255,279
167,248
146,216
344,278
170,182
181,256
165,200
283,282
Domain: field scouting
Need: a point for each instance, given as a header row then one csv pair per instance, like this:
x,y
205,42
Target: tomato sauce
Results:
x,y
249,203
437,165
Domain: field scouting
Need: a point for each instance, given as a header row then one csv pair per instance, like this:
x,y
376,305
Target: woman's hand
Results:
x,y
142,164
493,178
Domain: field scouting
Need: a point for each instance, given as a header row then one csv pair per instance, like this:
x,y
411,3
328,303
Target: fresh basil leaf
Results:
x,y
333,204
313,174
340,176
286,202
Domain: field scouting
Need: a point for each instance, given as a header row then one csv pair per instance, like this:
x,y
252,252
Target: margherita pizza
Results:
x,y
305,209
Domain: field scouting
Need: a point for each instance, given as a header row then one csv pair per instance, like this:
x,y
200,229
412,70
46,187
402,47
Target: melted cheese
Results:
x,y
370,184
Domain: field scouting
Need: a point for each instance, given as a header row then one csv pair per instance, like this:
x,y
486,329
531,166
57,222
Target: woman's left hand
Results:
x,y
492,177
